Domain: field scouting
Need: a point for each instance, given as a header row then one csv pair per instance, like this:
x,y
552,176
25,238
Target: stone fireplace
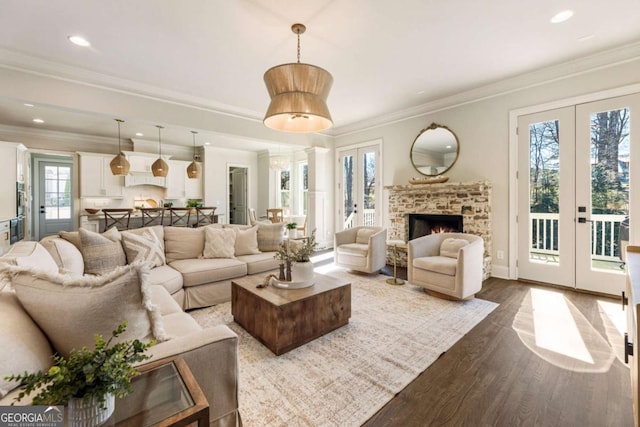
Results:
x,y
468,201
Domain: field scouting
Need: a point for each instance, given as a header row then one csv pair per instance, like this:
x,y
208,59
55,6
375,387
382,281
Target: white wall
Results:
x,y
483,130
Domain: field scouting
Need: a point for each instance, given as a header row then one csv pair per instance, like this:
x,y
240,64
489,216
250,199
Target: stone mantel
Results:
x,y
472,200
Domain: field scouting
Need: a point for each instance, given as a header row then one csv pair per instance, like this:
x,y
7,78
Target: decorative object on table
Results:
x,y
281,272
119,164
160,167
167,204
193,203
295,257
291,229
298,95
266,281
87,381
92,211
193,170
428,180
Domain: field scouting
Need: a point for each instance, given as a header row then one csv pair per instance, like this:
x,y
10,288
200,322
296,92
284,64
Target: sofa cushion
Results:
x,y
165,303
438,264
258,263
101,252
363,235
70,310
28,254
23,346
166,277
207,270
354,249
270,236
145,245
65,254
183,243
72,237
219,242
451,246
246,241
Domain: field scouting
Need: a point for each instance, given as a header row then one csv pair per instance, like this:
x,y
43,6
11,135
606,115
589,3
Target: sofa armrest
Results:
x,y
212,357
378,249
345,236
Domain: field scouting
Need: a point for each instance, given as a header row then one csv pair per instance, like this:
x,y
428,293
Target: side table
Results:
x,y
396,245
164,394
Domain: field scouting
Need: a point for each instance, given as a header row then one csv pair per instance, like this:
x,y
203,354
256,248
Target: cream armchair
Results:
x,y
446,265
361,248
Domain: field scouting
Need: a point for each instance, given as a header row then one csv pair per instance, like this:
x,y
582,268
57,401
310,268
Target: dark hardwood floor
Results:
x,y
490,378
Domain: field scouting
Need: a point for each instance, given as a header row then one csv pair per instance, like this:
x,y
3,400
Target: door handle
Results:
x,y
628,348
583,220
625,300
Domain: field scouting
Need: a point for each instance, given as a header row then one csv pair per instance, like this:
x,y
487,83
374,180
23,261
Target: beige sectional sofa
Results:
x,y
28,335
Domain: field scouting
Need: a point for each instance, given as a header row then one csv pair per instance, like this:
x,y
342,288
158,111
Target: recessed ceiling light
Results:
x,y
27,105
562,16
79,40
38,121
207,143
139,134
448,146
587,37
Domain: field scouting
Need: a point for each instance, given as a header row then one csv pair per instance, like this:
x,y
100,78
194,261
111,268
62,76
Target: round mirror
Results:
x,y
434,150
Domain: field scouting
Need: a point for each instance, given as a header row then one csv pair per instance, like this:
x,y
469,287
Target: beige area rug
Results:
x,y
346,376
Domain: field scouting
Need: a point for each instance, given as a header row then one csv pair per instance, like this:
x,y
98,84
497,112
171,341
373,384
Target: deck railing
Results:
x,y
369,218
543,235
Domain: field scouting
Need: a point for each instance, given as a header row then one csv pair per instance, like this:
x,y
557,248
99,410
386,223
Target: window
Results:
x,y
285,189
303,187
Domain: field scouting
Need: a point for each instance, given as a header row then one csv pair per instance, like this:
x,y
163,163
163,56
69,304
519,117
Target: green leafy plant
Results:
x,y
193,203
305,248
106,369
292,226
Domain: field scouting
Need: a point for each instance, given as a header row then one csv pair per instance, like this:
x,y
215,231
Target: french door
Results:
x,y
359,187
575,192
54,197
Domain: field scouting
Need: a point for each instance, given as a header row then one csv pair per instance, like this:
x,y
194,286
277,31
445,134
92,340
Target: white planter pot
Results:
x,y
302,272
89,414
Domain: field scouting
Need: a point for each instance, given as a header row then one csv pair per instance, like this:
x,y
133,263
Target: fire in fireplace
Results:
x,y
423,224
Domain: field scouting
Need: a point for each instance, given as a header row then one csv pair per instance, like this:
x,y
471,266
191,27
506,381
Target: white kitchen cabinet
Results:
x,y
5,237
96,179
179,186
140,170
10,154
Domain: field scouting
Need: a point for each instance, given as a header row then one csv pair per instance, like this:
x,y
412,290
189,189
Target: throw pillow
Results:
x,y
247,241
219,242
101,252
270,236
183,242
70,310
65,254
363,235
450,247
73,237
144,246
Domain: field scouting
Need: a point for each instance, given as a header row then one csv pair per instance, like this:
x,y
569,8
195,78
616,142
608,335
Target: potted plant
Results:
x,y
291,227
88,381
302,269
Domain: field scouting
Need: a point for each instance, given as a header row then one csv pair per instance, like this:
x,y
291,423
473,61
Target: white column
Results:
x,y
319,208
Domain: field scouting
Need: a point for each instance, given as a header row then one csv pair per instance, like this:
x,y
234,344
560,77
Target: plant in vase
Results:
x,y
291,229
303,267
89,376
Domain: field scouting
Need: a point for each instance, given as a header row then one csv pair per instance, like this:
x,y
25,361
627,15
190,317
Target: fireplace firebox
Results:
x,y
423,224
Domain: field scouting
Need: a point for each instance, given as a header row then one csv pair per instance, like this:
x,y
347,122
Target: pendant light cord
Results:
x,y
194,144
298,47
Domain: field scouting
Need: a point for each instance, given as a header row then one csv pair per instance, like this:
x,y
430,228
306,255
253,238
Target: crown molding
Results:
x,y
601,60
24,134
13,60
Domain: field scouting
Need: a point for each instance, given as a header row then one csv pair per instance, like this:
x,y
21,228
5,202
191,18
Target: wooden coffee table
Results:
x,y
283,319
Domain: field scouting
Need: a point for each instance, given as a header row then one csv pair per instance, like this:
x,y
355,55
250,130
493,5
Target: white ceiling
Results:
x,y
385,56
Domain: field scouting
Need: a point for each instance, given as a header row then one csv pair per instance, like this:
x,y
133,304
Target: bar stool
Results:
x,y
179,217
118,217
205,215
275,215
152,216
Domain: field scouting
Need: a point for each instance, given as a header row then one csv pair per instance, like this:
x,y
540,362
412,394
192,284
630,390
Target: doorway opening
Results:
x,y
53,202
237,191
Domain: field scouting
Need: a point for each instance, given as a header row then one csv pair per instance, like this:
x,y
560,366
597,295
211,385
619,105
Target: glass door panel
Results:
x,y
359,186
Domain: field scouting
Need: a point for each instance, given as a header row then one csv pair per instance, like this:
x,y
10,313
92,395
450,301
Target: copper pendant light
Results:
x,y
298,95
160,167
119,165
193,170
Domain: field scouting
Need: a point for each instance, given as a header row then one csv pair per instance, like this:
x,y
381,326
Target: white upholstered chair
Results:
x,y
446,265
361,248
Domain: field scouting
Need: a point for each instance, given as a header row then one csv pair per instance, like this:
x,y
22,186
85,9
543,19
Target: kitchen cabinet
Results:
x,y
140,170
96,179
11,154
179,186
5,237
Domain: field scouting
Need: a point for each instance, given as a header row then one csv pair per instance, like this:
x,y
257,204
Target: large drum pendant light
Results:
x,y
119,165
160,167
298,95
193,170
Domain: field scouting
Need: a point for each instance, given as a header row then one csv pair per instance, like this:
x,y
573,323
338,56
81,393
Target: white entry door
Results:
x,y
574,186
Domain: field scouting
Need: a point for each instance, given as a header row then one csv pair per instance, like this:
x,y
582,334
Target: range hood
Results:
x,y
140,170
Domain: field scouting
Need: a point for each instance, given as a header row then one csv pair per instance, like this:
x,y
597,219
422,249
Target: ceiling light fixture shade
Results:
x,y
119,165
160,167
279,162
298,95
193,170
